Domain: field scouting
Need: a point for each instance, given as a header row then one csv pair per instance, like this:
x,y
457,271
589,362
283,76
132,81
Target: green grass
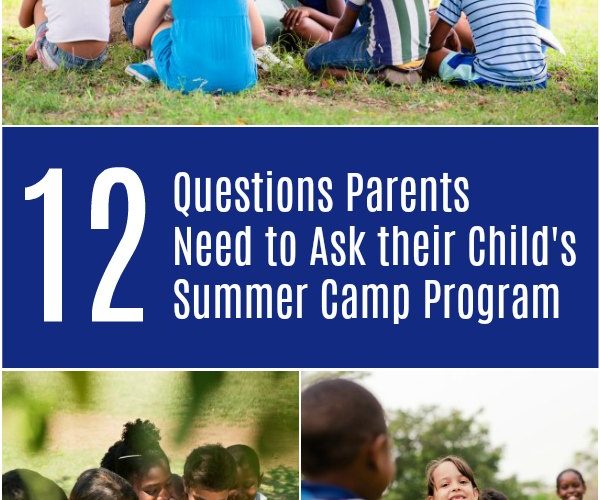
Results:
x,y
79,436
293,96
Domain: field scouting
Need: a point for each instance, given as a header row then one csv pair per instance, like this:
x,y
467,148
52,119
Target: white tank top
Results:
x,y
77,20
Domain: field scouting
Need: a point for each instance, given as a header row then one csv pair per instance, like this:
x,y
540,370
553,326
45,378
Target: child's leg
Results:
x,y
39,17
130,15
434,60
311,31
162,26
339,56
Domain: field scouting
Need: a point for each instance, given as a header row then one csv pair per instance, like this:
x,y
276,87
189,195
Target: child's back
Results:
x,y
74,20
508,48
211,47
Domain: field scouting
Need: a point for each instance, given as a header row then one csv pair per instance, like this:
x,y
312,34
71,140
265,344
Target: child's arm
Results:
x,y
439,34
347,22
26,13
148,21
437,51
257,27
335,9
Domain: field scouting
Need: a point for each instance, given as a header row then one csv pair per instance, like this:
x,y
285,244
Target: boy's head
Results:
x,y
25,484
248,471
102,484
490,494
344,438
209,473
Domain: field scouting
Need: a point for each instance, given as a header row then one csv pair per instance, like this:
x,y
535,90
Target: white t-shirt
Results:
x,y
77,20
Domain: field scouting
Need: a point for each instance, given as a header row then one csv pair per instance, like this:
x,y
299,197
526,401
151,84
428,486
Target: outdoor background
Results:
x,y
292,96
516,428
60,424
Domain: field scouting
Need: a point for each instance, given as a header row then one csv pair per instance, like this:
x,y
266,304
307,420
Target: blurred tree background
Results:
x,y
429,433
61,423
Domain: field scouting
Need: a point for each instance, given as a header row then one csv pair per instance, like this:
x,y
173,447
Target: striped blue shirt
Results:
x,y
508,48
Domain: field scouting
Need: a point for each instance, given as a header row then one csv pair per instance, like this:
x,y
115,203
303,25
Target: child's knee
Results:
x,y
313,62
302,27
309,61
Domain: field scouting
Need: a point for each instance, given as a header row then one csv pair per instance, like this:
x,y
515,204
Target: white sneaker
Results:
x,y
265,59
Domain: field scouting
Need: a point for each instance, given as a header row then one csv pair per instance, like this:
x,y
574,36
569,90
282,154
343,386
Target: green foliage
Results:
x,y
201,384
430,433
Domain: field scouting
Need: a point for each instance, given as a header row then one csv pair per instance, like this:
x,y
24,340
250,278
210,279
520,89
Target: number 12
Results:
x,y
50,188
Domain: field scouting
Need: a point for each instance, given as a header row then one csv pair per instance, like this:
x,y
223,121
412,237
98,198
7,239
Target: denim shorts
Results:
x,y
130,15
52,57
349,52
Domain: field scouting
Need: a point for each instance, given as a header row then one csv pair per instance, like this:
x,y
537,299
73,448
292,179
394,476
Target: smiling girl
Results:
x,y
570,485
451,478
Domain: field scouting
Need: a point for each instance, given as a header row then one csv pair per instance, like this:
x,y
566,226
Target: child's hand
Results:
x,y
294,16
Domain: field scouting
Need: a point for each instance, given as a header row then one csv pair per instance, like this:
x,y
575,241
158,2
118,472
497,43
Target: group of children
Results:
x,y
214,46
137,468
347,454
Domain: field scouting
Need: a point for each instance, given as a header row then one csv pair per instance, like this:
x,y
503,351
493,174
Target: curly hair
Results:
x,y
136,452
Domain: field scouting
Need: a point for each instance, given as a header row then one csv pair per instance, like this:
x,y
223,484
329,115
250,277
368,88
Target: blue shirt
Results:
x,y
508,48
320,5
212,46
314,491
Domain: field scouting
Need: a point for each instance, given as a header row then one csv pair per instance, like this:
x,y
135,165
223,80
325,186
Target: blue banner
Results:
x,y
300,247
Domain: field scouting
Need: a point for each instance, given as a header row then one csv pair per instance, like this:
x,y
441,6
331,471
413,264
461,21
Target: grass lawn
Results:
x,y
78,437
293,96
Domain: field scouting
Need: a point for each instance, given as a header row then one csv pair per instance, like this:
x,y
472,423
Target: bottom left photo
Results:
x,y
186,435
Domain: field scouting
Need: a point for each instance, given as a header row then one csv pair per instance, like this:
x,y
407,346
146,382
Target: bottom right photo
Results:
x,y
449,434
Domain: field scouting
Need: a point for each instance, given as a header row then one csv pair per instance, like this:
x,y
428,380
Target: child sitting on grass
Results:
x,y
313,20
209,472
393,43
508,48
146,72
346,451
70,34
248,473
207,47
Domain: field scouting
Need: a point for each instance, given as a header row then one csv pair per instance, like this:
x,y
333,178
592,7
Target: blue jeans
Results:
x,y
349,52
132,11
542,12
542,15
52,57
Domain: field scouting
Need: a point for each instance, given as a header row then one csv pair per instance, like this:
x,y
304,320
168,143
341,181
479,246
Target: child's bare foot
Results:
x,y
31,53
